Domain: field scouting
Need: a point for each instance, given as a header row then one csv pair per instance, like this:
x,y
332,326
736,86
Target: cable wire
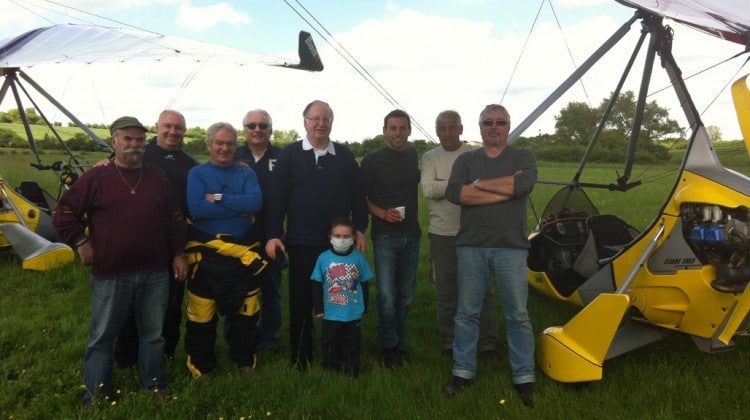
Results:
x,y
354,63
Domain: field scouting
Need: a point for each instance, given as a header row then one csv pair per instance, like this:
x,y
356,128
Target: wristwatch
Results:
x,y
475,183
217,197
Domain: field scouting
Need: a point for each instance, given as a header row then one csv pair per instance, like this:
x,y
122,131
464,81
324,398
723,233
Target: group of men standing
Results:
x,y
233,252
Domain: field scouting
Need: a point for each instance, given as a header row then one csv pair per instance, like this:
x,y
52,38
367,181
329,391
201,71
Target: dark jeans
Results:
x,y
340,344
302,261
270,308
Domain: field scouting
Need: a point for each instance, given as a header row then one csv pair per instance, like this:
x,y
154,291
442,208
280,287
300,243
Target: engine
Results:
x,y
719,236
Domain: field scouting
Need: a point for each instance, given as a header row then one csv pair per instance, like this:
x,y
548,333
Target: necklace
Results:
x,y
132,189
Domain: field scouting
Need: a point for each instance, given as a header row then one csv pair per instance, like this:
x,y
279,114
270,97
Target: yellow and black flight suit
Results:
x,y
223,277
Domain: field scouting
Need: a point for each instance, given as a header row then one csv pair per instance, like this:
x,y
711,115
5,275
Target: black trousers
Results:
x,y
302,261
221,285
340,344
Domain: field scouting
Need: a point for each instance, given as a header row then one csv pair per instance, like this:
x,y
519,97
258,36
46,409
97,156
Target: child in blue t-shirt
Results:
x,y
340,295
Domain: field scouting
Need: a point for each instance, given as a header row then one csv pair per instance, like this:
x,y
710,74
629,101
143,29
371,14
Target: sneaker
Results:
x,y
526,392
456,385
247,372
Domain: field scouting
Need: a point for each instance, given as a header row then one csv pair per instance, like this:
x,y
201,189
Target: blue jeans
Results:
x,y
396,262
508,265
111,298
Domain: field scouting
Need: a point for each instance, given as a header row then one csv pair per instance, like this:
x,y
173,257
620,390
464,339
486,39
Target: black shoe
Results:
x,y
526,392
456,385
392,358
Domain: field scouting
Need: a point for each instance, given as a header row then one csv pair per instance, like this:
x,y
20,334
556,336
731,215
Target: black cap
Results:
x,y
126,122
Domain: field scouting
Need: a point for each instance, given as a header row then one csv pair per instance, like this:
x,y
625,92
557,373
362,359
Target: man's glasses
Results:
x,y
253,126
499,123
318,120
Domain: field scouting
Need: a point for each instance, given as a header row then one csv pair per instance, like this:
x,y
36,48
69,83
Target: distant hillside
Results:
x,y
39,131
44,137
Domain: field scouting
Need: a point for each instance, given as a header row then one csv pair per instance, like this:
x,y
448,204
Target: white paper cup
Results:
x,y
402,211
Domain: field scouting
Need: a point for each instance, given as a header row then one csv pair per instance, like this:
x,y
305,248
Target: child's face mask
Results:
x,y
342,245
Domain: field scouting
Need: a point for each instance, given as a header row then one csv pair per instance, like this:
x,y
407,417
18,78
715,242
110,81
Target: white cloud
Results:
x,y
202,18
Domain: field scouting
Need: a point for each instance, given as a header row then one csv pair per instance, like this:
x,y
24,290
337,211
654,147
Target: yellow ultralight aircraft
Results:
x,y
687,272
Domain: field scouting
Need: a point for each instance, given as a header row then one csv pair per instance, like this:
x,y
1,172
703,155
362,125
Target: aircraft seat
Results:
x,y
31,191
554,250
608,235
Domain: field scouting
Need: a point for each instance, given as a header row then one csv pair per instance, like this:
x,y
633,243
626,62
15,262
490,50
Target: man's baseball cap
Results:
x,y
125,122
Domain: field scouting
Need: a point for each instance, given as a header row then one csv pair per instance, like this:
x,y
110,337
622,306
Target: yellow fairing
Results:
x,y
10,198
576,352
684,300
741,97
541,282
53,258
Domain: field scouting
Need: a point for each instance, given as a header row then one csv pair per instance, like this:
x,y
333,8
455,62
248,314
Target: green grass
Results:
x,y
39,131
44,329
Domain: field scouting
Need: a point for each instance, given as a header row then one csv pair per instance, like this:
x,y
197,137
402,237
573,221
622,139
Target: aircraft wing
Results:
x,y
726,19
71,43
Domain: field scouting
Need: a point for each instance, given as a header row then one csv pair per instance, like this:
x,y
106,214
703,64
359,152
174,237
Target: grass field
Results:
x,y
44,328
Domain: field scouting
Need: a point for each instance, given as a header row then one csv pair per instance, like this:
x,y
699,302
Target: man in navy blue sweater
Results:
x,y
315,180
259,154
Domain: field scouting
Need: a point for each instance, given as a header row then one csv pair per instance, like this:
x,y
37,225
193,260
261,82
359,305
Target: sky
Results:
x,y
429,55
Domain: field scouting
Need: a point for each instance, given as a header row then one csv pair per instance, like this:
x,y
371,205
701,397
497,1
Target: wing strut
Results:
x,y
11,81
573,78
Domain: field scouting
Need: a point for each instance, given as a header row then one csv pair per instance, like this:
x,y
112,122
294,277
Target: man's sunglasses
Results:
x,y
252,126
500,123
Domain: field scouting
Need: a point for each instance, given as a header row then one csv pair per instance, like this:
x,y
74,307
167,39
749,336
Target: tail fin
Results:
x,y
308,55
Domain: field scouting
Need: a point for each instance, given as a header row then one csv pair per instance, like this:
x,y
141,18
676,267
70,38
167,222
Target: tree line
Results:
x,y
575,126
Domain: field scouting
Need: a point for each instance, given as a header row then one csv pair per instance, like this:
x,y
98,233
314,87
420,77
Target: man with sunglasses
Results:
x,y
492,185
259,154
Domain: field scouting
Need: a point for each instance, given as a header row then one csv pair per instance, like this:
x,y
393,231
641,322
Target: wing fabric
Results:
x,y
726,19
91,44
